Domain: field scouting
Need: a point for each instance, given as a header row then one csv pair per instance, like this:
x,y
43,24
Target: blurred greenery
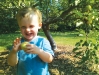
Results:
x,y
67,38
61,15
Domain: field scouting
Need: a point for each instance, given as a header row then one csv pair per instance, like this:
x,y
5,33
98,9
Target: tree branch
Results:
x,y
61,17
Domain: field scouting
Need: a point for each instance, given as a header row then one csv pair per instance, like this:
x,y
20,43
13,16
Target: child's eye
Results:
x,y
23,27
31,26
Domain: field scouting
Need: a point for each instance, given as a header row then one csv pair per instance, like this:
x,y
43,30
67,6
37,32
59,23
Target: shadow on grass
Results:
x,y
5,69
64,63
64,67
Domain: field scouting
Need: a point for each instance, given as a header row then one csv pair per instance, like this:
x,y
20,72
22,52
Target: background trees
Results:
x,y
58,15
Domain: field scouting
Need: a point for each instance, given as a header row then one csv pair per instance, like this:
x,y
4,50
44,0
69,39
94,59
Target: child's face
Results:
x,y
29,27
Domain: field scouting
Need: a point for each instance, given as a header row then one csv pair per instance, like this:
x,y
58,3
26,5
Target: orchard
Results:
x,y
59,17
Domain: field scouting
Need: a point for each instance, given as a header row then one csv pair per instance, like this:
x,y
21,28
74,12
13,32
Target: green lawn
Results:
x,y
7,39
70,38
67,38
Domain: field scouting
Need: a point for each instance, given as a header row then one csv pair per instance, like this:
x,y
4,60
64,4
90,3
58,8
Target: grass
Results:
x,y
6,40
70,38
67,38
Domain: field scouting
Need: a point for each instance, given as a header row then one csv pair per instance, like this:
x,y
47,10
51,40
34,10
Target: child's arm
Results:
x,y
12,57
45,56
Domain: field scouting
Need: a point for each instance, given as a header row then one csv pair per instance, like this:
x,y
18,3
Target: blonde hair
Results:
x,y
27,12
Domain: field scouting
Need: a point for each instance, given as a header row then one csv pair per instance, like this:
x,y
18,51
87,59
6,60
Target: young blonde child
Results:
x,y
38,53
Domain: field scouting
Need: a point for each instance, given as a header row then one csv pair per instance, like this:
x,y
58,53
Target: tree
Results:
x,y
67,12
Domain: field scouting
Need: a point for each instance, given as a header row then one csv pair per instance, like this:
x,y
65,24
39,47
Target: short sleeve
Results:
x,y
47,46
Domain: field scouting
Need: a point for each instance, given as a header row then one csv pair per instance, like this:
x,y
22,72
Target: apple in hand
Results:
x,y
23,45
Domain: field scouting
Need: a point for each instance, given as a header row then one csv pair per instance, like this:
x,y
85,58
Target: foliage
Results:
x,y
9,9
86,50
68,12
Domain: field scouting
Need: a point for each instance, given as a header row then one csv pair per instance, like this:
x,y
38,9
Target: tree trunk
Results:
x,y
49,37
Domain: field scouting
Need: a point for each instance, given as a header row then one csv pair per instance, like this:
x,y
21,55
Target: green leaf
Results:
x,y
95,47
84,58
79,53
77,44
85,43
96,60
75,49
78,13
81,41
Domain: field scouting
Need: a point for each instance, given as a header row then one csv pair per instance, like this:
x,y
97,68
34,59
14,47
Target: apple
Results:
x,y
88,8
89,21
23,45
93,17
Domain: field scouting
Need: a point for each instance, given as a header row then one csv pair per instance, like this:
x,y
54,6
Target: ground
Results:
x,y
64,63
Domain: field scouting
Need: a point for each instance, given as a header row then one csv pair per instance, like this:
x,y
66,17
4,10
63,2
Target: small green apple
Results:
x,y
89,21
23,45
88,8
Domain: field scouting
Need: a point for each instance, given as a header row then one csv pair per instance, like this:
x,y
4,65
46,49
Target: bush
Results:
x,y
8,25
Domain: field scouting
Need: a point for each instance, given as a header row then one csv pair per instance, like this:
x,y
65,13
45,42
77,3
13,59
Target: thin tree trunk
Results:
x,y
49,37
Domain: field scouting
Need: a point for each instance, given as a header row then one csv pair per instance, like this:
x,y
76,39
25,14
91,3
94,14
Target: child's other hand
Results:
x,y
33,49
16,44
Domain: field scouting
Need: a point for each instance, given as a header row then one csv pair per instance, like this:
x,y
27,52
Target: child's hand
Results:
x,y
31,48
16,44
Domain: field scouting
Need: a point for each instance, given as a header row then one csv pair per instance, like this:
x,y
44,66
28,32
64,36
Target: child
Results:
x,y
38,53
